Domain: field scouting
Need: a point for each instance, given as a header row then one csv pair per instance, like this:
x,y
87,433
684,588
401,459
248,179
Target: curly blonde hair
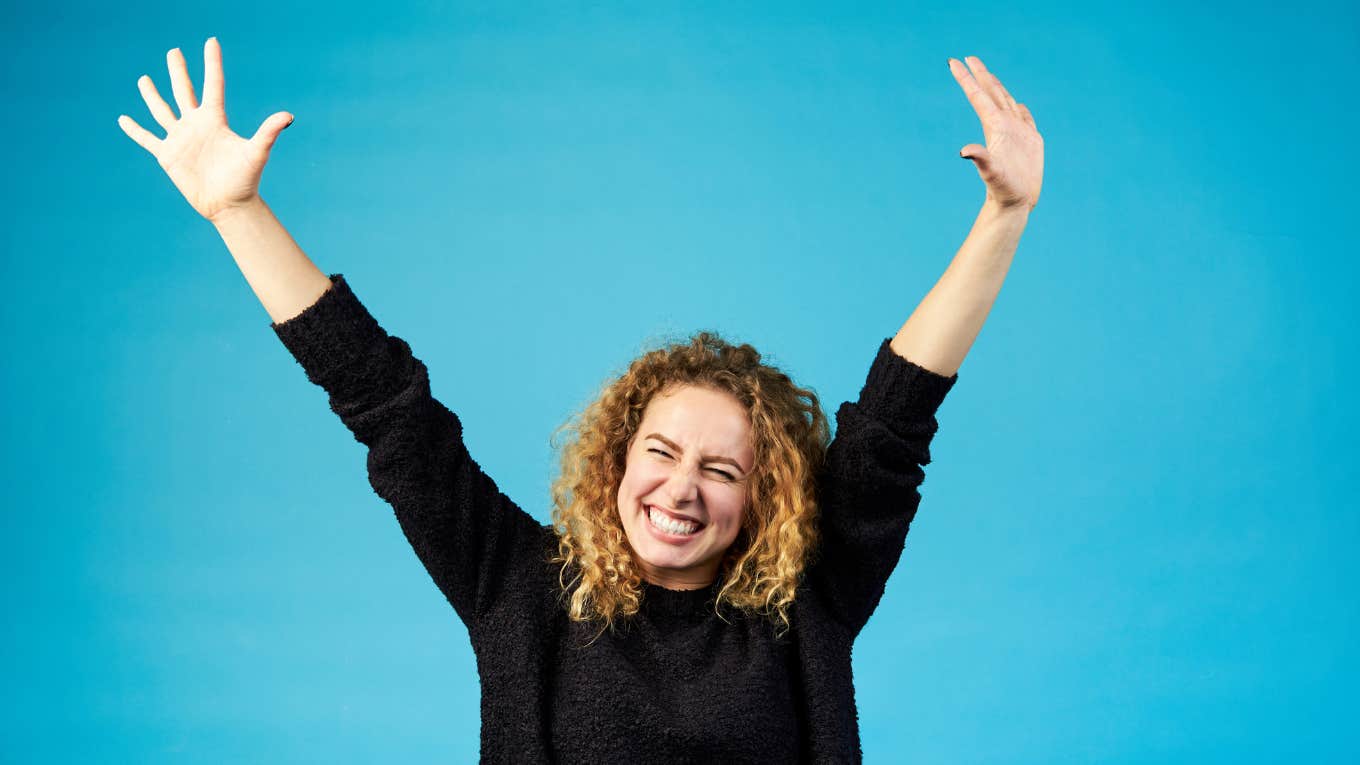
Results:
x,y
761,570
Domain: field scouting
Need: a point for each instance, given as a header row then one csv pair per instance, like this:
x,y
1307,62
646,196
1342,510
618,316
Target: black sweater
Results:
x,y
678,684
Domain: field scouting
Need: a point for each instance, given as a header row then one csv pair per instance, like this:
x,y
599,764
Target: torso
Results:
x,y
676,679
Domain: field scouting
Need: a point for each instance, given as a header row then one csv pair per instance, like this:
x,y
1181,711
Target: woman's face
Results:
x,y
688,463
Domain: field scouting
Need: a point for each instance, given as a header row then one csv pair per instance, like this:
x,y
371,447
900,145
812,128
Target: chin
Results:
x,y
665,558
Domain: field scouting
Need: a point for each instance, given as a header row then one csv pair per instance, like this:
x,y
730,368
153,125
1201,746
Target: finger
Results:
x,y
1009,98
213,88
991,84
1024,111
160,110
180,83
269,130
982,102
981,158
141,135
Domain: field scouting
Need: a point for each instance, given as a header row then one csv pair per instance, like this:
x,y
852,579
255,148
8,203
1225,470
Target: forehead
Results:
x,y
689,413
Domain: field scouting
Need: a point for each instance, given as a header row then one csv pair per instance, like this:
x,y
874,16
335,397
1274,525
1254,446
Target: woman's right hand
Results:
x,y
214,168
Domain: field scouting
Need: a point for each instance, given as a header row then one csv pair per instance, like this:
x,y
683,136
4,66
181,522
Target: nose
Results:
x,y
683,485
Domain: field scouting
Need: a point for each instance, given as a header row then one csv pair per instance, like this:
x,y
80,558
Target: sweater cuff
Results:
x,y
898,390
330,333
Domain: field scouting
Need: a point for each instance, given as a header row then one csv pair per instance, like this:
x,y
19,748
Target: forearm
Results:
x,y
940,331
282,276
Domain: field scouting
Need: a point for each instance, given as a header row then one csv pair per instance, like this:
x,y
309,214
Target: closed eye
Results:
x,y
722,473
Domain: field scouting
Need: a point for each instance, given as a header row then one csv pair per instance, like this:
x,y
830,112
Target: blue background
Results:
x,y
1138,536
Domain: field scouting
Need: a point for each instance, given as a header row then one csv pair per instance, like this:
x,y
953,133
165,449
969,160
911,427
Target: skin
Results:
x,y
942,329
215,169
698,422
218,172
1011,165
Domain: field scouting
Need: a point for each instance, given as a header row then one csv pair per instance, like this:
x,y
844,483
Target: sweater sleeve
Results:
x,y
869,485
463,529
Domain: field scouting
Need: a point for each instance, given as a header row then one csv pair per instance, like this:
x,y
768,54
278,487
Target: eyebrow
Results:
x,y
707,458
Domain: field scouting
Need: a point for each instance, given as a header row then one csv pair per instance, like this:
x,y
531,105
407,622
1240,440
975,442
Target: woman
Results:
x,y
711,557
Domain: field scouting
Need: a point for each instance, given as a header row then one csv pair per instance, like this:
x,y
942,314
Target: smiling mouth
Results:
x,y
665,523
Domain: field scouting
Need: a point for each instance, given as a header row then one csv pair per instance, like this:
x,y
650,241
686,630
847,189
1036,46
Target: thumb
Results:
x,y
270,129
977,153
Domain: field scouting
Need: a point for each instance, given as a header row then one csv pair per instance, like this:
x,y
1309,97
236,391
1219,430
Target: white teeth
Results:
x,y
661,521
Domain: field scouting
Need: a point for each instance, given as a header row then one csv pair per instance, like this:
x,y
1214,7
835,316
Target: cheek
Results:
x,y
627,483
641,477
627,493
733,509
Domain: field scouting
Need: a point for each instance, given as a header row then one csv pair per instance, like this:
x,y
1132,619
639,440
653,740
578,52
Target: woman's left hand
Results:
x,y
1012,162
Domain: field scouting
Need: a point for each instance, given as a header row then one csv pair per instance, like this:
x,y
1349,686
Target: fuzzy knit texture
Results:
x,y
677,684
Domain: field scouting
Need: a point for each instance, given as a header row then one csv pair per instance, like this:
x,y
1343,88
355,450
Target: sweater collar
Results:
x,y
659,600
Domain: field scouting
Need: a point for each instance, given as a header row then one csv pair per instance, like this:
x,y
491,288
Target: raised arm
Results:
x,y
218,172
868,490
942,329
471,538
870,486
468,535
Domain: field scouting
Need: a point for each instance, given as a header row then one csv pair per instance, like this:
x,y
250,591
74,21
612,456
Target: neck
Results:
x,y
678,580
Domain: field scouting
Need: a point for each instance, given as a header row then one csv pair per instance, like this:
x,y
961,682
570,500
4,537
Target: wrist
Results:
x,y
1014,213
252,207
